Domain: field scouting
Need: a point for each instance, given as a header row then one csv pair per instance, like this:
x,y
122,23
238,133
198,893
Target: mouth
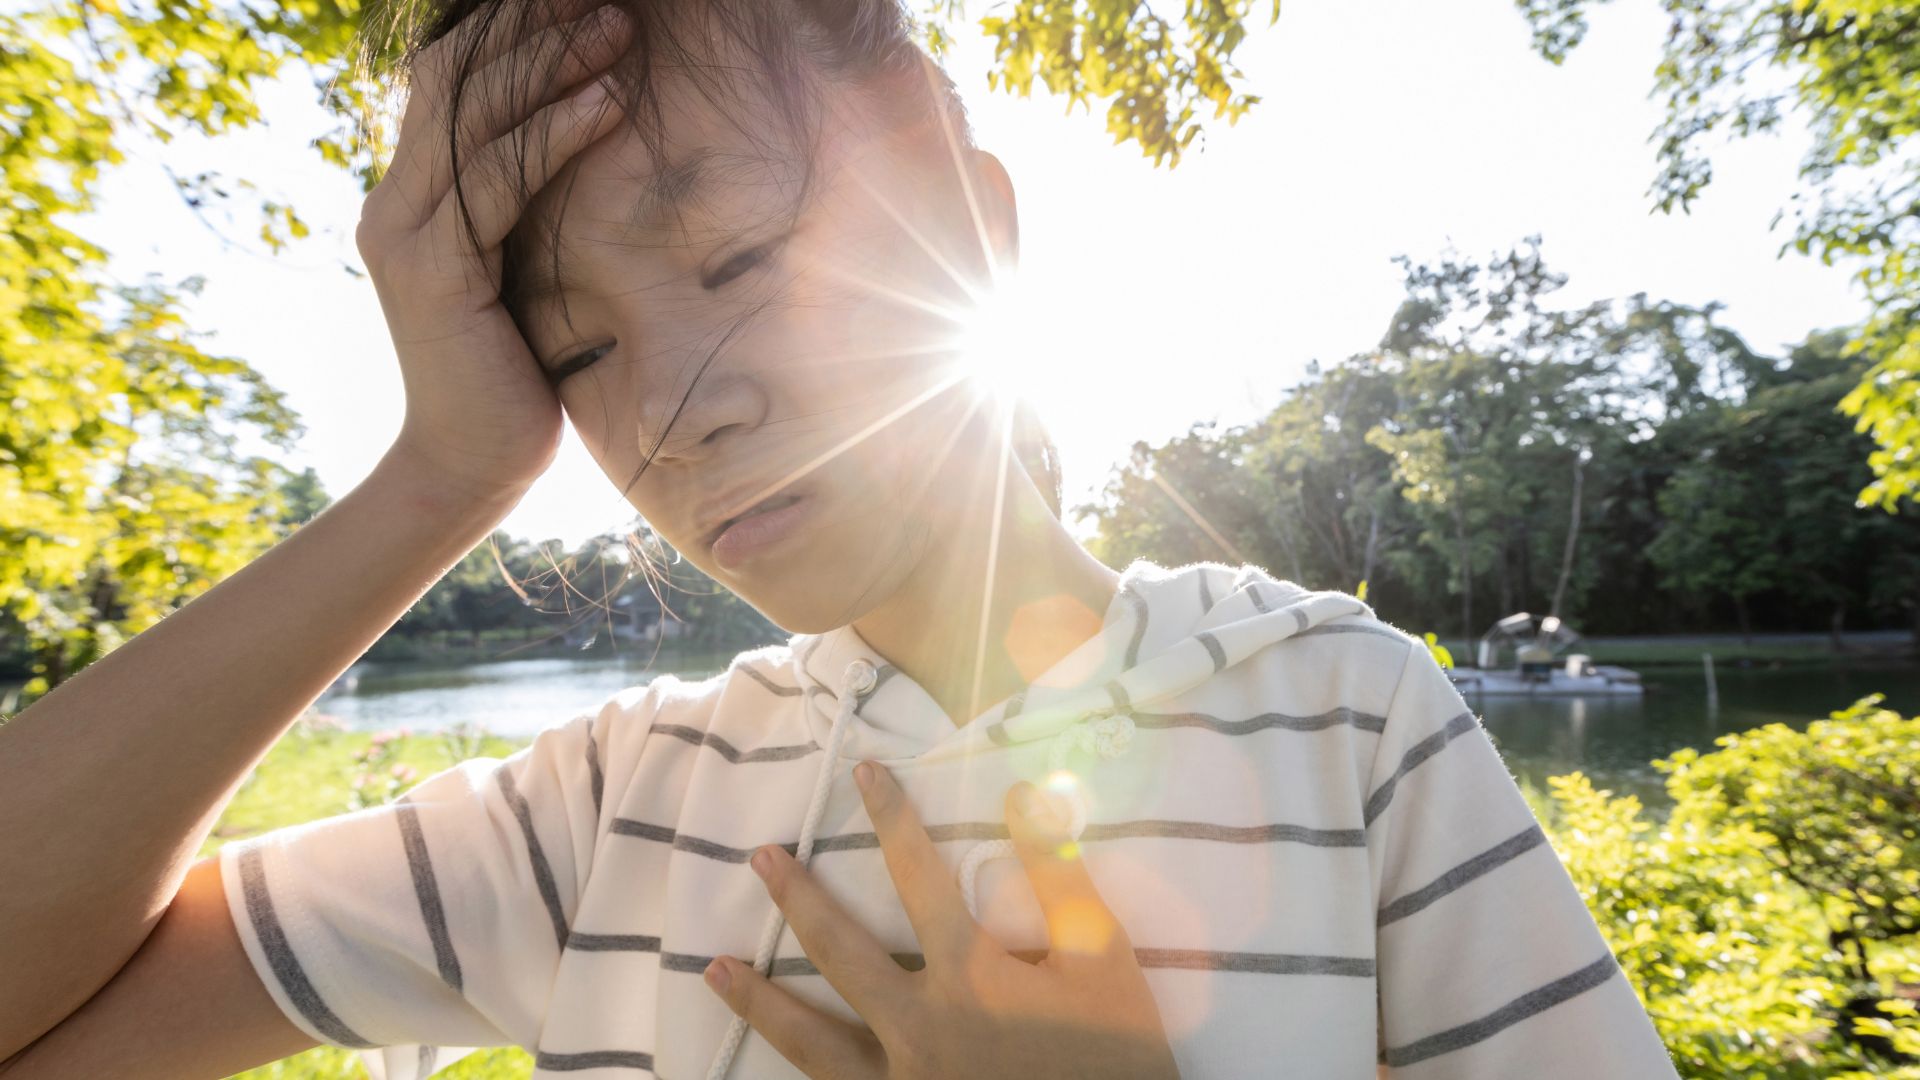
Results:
x,y
758,527
769,504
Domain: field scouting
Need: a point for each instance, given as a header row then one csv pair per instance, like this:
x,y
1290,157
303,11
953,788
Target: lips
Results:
x,y
764,506
764,525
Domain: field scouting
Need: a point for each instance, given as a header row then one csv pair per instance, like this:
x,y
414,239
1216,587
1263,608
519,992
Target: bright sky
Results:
x,y
1388,127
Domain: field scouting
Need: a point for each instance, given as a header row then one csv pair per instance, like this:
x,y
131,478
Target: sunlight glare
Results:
x,y
1000,344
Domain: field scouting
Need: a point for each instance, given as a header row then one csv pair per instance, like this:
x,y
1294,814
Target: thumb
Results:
x,y
1078,921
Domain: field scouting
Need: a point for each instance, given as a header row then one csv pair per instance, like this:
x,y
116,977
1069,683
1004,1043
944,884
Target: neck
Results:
x,y
994,604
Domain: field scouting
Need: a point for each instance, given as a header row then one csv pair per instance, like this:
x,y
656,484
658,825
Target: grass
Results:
x,y
316,772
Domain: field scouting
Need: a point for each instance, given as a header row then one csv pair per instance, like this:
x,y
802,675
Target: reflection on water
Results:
x,y
1610,739
510,697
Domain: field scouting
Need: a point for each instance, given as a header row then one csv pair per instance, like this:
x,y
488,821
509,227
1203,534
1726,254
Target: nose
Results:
x,y
716,409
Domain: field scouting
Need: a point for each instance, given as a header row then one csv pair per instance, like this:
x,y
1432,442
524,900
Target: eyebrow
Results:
x,y
662,194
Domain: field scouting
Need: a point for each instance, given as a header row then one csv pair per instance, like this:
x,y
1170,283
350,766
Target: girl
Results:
x,y
726,239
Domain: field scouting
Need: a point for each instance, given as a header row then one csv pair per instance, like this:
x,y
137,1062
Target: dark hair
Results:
x,y
791,43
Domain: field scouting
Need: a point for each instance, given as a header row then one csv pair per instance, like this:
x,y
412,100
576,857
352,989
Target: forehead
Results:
x,y
701,174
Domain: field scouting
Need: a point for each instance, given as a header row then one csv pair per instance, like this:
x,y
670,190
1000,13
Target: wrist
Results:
x,y
421,487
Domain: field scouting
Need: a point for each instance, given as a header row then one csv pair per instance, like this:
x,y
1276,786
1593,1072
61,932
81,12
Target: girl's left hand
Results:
x,y
1083,1010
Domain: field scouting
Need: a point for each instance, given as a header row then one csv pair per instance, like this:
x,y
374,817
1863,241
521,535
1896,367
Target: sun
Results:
x,y
1000,344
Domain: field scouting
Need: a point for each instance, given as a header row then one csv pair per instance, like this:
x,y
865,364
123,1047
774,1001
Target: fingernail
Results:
x,y
1027,802
717,977
863,775
761,862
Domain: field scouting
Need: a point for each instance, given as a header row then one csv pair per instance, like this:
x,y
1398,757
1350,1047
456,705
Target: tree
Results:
x,y
1852,69
124,490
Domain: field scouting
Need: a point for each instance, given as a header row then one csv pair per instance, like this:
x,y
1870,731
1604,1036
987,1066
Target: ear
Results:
x,y
993,190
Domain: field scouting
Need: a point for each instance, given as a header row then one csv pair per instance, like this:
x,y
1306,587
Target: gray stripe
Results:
x,y
286,967
1139,627
1253,591
1214,650
732,753
542,873
784,691
1417,753
1498,855
985,830
998,734
1536,1001
1014,705
1353,628
1206,593
1179,959
580,942
427,1056
593,768
593,1059
426,888
1228,834
1121,702
1299,619
1320,722
880,678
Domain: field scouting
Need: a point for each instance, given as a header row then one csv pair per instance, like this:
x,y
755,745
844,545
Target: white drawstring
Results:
x,y
860,678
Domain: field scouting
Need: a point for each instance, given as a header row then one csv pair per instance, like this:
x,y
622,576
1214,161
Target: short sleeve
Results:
x,y
421,929
1489,963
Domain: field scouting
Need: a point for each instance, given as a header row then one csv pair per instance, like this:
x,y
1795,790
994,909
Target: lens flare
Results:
x,y
998,344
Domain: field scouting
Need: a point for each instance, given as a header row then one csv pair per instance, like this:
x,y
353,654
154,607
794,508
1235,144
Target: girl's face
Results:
x,y
829,436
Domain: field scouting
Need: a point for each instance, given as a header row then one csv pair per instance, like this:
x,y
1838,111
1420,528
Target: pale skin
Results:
x,y
121,956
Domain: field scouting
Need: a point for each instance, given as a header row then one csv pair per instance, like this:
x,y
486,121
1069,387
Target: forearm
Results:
x,y
110,784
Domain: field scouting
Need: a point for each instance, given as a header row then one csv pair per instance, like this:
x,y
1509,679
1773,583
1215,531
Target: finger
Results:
x,y
817,1044
842,949
927,890
496,98
511,168
1079,923
489,32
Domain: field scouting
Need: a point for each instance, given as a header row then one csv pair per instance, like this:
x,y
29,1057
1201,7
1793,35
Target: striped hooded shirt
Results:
x,y
1318,854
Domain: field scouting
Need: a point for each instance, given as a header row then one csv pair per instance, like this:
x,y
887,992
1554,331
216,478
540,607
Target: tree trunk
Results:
x,y
1835,627
1506,568
1373,543
1740,611
1466,576
1573,536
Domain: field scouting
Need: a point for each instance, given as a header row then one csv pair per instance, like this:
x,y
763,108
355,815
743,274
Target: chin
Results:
x,y
822,589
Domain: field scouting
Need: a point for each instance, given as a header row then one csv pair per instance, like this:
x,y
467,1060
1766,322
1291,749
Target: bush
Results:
x,y
1770,923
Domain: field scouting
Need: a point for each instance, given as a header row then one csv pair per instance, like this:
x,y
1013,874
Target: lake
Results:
x,y
1611,740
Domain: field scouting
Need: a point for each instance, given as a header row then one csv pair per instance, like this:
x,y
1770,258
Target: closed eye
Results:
x,y
576,362
738,265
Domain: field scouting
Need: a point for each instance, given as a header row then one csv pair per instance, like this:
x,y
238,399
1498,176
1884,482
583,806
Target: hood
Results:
x,y
1166,631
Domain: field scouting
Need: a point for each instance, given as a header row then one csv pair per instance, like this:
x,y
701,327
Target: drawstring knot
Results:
x,y
1104,735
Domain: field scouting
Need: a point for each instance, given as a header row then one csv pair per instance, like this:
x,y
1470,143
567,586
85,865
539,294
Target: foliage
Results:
x,y
1851,69
1762,499
1768,923
1155,72
1444,463
125,485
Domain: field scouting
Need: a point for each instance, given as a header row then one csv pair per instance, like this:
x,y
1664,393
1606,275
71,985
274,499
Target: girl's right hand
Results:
x,y
481,417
